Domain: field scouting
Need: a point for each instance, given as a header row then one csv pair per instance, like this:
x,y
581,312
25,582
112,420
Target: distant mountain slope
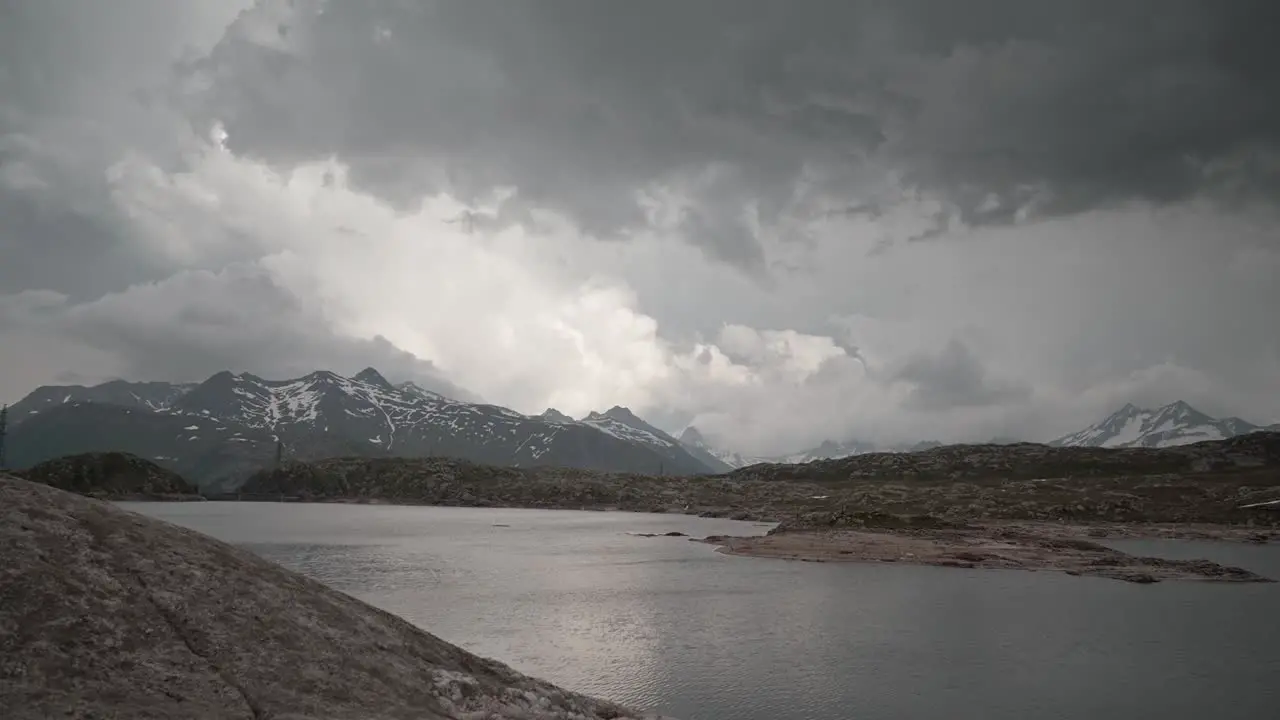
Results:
x,y
831,450
156,396
1175,424
201,430
693,439
622,423
211,453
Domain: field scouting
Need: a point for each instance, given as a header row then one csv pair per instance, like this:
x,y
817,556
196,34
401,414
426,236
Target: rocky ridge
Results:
x,y
1174,424
111,476
106,613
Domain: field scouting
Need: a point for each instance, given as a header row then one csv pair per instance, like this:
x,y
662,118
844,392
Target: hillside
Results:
x,y
622,423
112,475
447,481
111,614
1205,483
213,454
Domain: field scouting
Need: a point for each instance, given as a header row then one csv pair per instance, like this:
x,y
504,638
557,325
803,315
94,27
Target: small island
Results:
x,y
915,540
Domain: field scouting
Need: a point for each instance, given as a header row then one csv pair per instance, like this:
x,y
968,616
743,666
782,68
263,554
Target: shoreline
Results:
x,y
1081,530
707,512
1073,550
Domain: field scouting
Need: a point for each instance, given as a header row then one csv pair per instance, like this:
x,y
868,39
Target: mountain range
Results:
x,y
1174,424
219,431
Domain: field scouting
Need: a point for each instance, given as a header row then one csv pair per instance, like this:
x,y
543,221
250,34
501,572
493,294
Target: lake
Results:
x,y
667,624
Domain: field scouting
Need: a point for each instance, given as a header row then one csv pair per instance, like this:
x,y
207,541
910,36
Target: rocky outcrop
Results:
x,y
111,475
105,613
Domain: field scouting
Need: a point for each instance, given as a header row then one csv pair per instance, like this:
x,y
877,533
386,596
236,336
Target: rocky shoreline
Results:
x,y
105,613
1062,548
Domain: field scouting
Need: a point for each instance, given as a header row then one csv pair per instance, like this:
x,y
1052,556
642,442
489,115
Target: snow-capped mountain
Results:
x,y
691,437
324,414
158,396
1174,424
829,450
623,424
693,441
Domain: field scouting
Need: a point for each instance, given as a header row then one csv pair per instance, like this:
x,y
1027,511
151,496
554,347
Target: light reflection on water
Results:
x,y
671,625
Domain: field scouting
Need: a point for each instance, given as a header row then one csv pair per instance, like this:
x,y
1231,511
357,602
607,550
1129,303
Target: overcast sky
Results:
x,y
783,222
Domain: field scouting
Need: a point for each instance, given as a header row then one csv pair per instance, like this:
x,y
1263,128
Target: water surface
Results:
x,y
667,624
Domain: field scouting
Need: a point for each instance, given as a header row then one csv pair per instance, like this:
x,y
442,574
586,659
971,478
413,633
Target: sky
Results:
x,y
781,222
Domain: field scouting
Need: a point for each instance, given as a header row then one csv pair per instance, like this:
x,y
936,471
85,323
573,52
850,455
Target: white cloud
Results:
x,y
828,325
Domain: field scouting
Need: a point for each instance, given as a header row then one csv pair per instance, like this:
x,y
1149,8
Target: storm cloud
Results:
x,y
996,109
702,210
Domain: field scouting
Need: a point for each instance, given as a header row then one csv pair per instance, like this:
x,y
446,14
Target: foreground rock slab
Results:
x,y
993,546
105,613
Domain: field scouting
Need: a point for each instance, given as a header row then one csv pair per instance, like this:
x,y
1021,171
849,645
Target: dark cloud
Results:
x,y
197,323
1002,109
1099,152
955,378
49,246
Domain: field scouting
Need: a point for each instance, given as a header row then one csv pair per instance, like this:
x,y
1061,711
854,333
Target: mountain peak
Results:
x,y
371,376
321,376
692,436
1174,424
553,415
621,414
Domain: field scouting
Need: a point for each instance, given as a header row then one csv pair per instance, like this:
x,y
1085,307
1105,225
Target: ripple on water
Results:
x,y
669,624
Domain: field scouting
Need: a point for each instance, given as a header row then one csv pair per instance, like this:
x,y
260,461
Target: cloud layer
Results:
x,y
700,210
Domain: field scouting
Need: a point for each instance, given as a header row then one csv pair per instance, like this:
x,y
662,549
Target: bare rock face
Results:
x,y
105,613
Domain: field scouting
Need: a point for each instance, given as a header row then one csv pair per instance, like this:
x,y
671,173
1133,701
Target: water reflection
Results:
x,y
669,624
